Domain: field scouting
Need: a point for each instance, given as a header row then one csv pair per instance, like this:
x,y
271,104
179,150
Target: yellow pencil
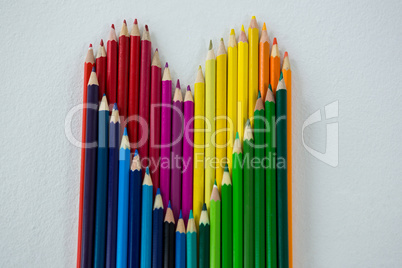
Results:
x,y
210,84
242,92
287,76
221,71
252,68
232,96
199,135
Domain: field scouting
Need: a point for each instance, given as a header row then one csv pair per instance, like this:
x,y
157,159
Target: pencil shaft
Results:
x,y
180,250
252,71
157,236
242,92
237,210
122,80
111,76
176,163
146,226
191,244
134,228
215,240
168,244
248,204
227,226
204,246
232,102
101,75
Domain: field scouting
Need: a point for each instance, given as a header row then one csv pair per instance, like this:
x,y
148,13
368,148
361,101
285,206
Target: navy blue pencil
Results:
x,y
134,214
88,218
101,185
113,184
157,231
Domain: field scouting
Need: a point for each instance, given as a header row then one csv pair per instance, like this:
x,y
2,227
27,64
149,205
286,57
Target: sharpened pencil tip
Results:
x,y
215,182
125,22
253,17
204,207
181,215
248,122
191,214
93,69
210,45
136,152
232,32
259,94
146,28
237,135
221,39
113,26
104,95
275,42
286,54
264,27
115,106
242,28
188,88
178,83
147,171
156,50
169,205
199,67
281,76
166,65
101,43
270,87
90,45
125,132
135,21
226,168
158,191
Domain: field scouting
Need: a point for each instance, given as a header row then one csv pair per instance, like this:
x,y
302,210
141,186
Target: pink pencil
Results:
x,y
188,142
145,75
155,120
177,150
166,119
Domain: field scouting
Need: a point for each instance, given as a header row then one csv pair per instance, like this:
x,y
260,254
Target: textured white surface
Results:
x,y
349,51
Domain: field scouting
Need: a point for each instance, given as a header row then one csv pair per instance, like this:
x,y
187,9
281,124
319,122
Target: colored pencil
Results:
x,y
157,231
232,97
101,184
145,79
88,218
166,120
242,90
252,68
287,77
146,220
263,61
281,174
221,77
122,211
270,176
155,120
259,183
227,220
168,238
101,69
188,141
88,65
134,83
113,187
180,243
191,242
237,175
111,68
248,146
210,91
177,151
122,79
274,66
216,214
134,216
204,238
199,153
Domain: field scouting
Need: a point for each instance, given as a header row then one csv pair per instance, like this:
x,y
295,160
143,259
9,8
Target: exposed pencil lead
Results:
x,y
124,21
136,152
210,45
135,21
146,28
90,45
286,54
147,171
204,207
113,26
101,42
178,83
188,88
158,191
166,65
274,42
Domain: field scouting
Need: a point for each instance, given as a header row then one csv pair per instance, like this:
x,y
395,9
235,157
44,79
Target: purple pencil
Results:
x,y
177,149
166,120
188,142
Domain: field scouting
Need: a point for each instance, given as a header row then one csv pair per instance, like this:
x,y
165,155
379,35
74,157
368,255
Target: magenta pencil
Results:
x,y
155,120
145,79
176,155
188,141
166,120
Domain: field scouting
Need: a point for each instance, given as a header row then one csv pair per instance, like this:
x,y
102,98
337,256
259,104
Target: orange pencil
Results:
x,y
287,76
88,65
263,61
274,66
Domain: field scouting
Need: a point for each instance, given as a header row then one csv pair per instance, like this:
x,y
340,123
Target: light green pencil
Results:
x,y
216,213
227,219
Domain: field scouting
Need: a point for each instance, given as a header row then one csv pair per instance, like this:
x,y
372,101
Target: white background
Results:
x,y
350,51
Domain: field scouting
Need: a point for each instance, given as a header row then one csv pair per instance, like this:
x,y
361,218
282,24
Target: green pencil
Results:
x,y
204,238
259,183
270,176
227,220
248,146
281,174
191,242
216,213
237,173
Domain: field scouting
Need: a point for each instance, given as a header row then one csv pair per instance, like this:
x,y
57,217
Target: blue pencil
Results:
x,y
101,185
157,231
122,211
113,182
88,218
191,242
134,215
146,220
180,243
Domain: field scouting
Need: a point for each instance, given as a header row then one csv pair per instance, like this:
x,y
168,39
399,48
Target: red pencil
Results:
x,y
155,120
111,79
122,82
88,65
133,88
101,69
145,71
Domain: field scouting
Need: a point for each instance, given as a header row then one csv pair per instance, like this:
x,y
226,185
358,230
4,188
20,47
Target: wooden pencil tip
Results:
x,y
232,32
264,27
178,83
113,26
156,50
125,22
286,54
210,45
146,28
275,42
135,21
101,43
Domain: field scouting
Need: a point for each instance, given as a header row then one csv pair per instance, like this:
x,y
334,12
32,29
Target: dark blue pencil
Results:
x,y
113,186
101,185
157,231
134,214
88,218
180,243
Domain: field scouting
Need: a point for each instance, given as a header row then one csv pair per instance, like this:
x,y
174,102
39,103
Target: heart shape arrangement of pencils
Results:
x,y
201,181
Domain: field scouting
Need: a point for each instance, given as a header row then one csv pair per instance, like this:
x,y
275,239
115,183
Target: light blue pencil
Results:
x,y
180,243
146,220
122,211
191,242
